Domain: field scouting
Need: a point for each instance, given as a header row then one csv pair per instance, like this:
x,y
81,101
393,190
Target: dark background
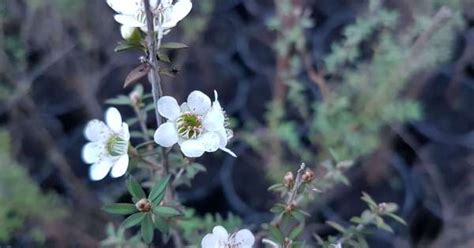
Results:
x,y
69,69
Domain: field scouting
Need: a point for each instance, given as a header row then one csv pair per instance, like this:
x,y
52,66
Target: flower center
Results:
x,y
189,126
116,146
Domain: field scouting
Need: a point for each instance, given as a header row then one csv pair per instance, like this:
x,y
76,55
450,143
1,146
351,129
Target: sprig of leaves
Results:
x,y
146,211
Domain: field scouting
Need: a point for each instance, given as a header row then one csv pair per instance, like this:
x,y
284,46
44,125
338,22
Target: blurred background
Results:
x,y
386,84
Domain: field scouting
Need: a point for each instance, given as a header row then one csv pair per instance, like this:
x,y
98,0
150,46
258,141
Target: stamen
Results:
x,y
189,126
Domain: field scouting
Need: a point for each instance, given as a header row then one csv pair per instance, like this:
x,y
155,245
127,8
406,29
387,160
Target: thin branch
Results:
x,y
298,181
153,76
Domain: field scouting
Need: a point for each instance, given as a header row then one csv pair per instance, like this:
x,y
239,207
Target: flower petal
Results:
x,y
214,119
210,241
100,169
96,130
126,31
129,20
125,132
113,119
123,7
210,140
245,238
192,148
221,233
177,13
225,149
120,167
166,135
184,107
91,152
198,102
168,108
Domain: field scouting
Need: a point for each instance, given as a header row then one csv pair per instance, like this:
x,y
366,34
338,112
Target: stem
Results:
x,y
298,181
153,45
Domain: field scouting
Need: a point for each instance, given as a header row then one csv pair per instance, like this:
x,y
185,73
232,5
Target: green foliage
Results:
x,y
147,211
22,204
116,238
354,235
192,228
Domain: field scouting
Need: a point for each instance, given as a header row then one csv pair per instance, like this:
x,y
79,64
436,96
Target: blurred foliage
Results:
x,y
116,238
361,91
21,200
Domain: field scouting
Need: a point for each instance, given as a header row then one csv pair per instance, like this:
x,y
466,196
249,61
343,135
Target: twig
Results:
x,y
298,181
153,45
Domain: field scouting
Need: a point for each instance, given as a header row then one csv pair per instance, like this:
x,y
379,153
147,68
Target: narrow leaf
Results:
x,y
120,208
135,189
173,45
276,234
297,231
336,226
166,211
136,74
161,224
147,229
158,188
397,218
133,220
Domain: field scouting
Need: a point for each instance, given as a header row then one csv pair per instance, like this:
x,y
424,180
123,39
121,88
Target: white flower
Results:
x,y
197,125
108,146
219,238
131,14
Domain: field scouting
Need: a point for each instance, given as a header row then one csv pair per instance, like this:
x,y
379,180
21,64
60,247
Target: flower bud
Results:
x,y
135,97
143,205
308,176
289,179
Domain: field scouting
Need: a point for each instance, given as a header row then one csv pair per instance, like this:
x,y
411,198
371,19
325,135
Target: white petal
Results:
x,y
221,233
245,238
192,148
210,140
210,241
125,132
184,107
96,130
198,102
168,108
120,167
91,152
126,31
123,7
225,149
113,119
100,169
223,139
129,20
214,119
177,13
166,135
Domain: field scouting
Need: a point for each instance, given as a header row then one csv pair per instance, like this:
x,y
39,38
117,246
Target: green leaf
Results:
x,y
135,189
369,201
133,220
382,225
276,234
166,211
147,229
161,224
119,100
298,215
163,57
127,45
336,226
120,208
297,231
158,188
277,209
397,218
275,187
173,45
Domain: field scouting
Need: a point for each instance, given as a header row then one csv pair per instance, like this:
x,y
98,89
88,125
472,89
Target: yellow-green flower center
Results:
x,y
189,126
116,146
